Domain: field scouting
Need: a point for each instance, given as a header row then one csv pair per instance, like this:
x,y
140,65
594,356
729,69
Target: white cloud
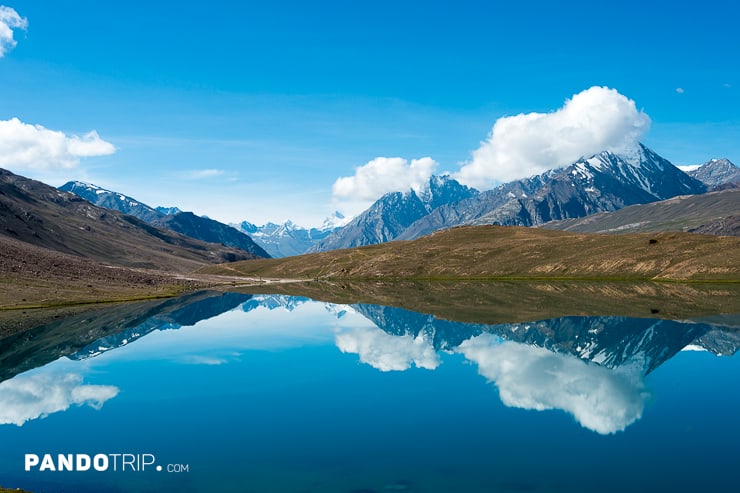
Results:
x,y
9,20
382,175
27,397
203,174
600,399
33,147
386,352
680,90
592,121
689,167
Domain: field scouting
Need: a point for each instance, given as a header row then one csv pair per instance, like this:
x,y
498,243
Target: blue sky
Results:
x,y
252,111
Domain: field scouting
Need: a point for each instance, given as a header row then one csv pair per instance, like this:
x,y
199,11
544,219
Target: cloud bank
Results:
x,y
386,352
600,399
33,147
592,121
9,20
28,397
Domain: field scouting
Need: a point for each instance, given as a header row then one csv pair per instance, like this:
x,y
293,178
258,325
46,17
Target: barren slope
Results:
x,y
496,252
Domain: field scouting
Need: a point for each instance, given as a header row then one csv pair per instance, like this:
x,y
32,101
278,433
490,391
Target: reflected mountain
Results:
x,y
273,302
722,341
604,400
187,315
607,341
95,331
591,367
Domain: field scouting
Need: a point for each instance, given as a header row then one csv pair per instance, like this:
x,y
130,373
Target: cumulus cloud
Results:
x,y
382,175
33,147
386,352
9,20
28,397
600,399
680,90
592,121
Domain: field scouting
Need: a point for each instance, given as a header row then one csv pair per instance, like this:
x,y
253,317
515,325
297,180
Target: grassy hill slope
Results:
x,y
496,252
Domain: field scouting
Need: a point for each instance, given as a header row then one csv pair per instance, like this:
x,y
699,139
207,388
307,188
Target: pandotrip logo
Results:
x,y
122,462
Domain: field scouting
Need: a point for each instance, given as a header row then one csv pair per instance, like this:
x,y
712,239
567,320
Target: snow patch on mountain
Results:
x,y
289,239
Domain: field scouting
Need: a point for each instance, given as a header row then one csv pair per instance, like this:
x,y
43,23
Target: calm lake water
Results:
x,y
267,393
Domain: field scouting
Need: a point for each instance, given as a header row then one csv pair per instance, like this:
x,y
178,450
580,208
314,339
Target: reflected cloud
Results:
x,y
600,399
27,397
387,352
196,359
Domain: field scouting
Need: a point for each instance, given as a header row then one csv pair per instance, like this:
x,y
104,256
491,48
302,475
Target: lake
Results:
x,y
235,392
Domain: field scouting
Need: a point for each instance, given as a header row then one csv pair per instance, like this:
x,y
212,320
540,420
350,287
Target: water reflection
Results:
x,y
202,308
593,368
388,352
36,395
529,377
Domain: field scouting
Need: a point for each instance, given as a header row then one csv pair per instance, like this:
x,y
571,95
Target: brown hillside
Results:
x,y
496,252
43,216
33,276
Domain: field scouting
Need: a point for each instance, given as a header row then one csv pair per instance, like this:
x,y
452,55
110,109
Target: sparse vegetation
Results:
x,y
510,253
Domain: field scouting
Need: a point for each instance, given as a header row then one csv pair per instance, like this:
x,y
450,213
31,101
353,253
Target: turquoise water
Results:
x,y
281,394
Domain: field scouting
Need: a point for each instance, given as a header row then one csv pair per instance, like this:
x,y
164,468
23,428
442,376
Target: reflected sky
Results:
x,y
603,389
387,352
601,399
35,395
288,394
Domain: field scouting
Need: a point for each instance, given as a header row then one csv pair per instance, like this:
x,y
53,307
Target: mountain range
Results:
x,y
269,240
41,215
604,182
717,173
392,215
289,239
589,188
173,219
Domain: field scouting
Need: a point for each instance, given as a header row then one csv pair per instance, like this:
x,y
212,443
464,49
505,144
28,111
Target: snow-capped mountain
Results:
x,y
169,211
395,212
717,173
289,239
600,183
187,223
112,200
